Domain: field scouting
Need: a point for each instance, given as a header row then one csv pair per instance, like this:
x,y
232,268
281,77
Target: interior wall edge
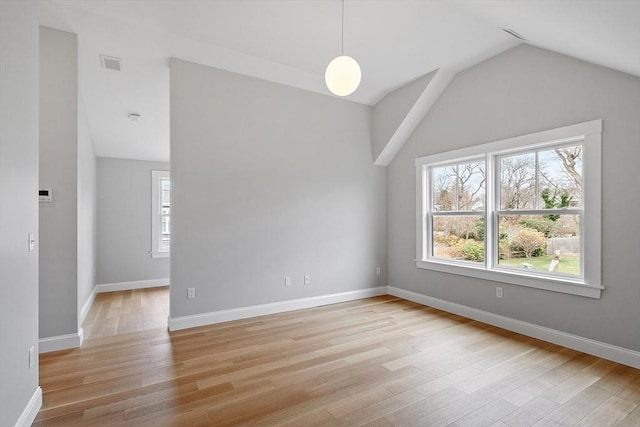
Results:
x,y
31,410
61,342
87,305
129,286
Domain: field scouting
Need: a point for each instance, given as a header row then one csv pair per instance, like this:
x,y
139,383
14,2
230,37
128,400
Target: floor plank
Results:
x,y
120,312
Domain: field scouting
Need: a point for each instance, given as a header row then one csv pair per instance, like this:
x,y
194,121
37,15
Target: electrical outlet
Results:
x,y
378,270
498,292
307,279
191,293
32,357
287,281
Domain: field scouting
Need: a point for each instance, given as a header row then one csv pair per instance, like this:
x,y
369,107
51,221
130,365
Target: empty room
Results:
x,y
320,213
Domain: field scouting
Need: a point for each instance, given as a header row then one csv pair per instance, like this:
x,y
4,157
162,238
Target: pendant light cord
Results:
x,y
342,33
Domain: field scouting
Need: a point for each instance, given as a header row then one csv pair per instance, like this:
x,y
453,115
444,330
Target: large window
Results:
x,y
160,214
525,210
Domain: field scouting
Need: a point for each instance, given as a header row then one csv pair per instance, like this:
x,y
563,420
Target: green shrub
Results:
x,y
544,226
479,223
471,250
448,240
504,248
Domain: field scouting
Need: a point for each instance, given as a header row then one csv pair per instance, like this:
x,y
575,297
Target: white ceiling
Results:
x,y
291,42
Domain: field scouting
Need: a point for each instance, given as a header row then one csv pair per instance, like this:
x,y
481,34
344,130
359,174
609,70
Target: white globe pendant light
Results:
x,y
343,73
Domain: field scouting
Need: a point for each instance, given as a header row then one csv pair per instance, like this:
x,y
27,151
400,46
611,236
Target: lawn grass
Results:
x,y
568,264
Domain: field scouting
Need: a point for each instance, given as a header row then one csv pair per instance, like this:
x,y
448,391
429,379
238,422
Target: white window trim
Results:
x,y
156,177
590,133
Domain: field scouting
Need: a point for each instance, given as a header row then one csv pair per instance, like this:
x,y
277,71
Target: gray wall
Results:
x,y
269,181
18,205
521,91
124,222
87,213
58,171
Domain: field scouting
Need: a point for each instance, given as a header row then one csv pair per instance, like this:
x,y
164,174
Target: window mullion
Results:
x,y
458,213
490,187
540,211
425,207
536,202
457,187
428,246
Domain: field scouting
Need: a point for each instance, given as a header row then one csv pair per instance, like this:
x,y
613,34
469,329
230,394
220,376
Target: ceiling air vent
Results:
x,y
514,34
111,62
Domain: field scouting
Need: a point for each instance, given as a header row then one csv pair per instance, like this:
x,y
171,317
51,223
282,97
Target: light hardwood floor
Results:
x,y
127,311
379,362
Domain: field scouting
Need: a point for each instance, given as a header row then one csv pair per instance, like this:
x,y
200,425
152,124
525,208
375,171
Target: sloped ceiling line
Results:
x,y
383,155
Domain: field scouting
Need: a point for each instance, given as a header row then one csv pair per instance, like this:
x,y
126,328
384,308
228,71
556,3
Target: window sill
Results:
x,y
513,278
164,254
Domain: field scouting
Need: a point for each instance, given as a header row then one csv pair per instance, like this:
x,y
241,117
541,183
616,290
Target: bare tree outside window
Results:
x,y
517,181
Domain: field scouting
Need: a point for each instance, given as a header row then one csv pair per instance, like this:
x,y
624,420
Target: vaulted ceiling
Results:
x,y
291,42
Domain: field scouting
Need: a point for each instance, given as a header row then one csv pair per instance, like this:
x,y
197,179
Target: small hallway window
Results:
x,y
160,214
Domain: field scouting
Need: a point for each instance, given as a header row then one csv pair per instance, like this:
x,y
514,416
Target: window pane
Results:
x,y
459,237
543,243
560,177
444,188
166,193
165,237
459,187
471,186
518,181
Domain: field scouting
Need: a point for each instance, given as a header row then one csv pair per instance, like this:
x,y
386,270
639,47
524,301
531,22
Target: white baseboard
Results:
x,y
585,345
61,342
127,286
31,410
184,322
87,305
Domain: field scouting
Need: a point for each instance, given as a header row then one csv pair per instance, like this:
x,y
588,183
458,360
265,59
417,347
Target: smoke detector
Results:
x,y
134,117
111,63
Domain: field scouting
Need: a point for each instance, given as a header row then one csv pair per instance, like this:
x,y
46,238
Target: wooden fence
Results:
x,y
563,245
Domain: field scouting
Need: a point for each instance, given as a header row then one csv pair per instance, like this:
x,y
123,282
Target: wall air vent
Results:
x,y
514,34
111,63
